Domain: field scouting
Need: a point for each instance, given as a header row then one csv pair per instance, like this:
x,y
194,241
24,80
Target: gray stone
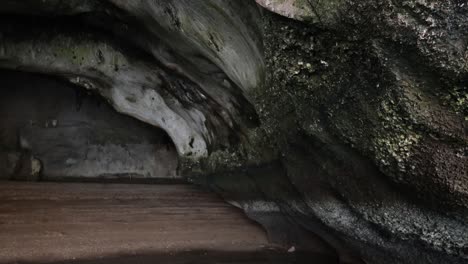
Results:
x,y
65,133
341,126
186,78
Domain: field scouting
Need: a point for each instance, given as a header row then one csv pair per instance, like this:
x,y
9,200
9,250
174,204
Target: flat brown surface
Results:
x,y
57,222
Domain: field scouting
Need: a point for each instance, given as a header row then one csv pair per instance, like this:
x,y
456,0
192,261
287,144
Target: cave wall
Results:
x,y
340,124
149,60
364,115
75,134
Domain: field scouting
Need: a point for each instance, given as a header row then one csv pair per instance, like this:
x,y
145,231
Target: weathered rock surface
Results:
x,y
74,135
148,59
368,112
323,12
362,144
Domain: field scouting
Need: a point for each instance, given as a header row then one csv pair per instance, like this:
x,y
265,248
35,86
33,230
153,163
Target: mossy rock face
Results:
x,y
345,119
368,121
390,90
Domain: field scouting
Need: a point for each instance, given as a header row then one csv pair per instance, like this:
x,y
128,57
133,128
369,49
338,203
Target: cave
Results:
x,y
217,131
73,168
68,133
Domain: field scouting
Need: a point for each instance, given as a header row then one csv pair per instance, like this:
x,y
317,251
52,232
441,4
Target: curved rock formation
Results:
x,y
177,65
75,135
366,101
338,125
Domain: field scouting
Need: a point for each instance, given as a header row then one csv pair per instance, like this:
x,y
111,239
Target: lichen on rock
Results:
x,y
338,125
361,117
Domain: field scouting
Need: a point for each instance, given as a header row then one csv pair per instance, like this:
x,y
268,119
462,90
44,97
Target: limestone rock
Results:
x,y
322,12
149,60
338,125
369,121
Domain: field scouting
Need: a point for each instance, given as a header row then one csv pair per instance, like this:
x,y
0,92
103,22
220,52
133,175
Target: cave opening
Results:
x,y
76,175
51,130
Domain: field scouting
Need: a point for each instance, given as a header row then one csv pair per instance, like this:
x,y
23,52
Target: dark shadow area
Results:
x,y
53,131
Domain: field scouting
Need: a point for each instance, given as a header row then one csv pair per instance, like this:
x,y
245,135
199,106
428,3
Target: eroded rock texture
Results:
x,y
361,149
178,65
367,107
51,130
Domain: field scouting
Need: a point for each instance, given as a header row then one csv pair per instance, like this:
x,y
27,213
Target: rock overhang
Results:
x,y
182,66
